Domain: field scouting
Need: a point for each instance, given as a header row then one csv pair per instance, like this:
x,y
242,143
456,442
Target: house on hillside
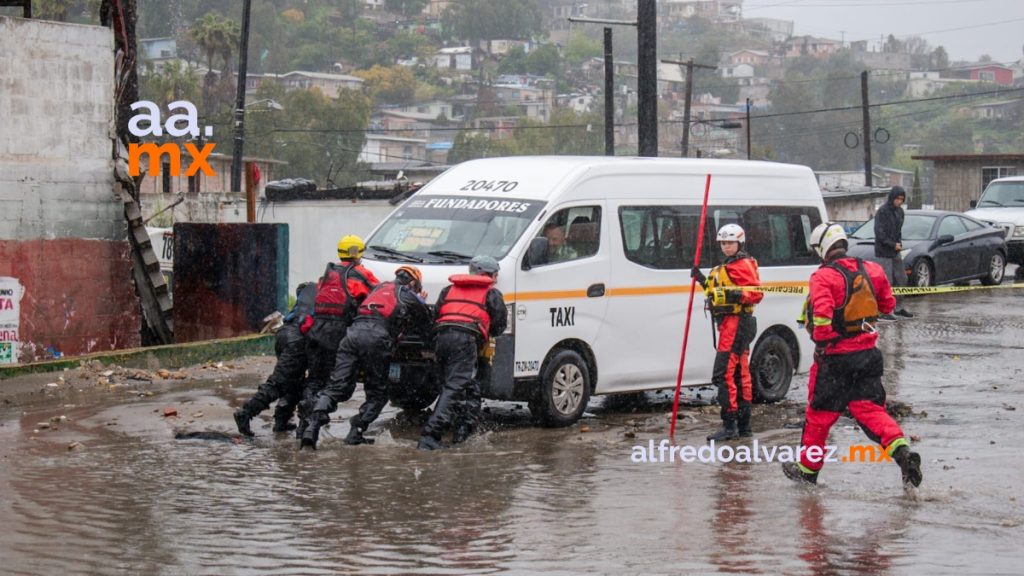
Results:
x,y
960,178
984,72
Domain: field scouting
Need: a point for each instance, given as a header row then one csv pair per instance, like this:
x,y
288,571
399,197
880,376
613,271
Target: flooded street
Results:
x,y
110,490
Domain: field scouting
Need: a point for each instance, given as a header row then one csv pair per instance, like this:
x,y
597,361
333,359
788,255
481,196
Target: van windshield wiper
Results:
x,y
396,253
450,254
991,202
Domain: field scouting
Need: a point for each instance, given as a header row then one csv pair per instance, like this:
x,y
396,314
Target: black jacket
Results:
x,y
888,227
495,305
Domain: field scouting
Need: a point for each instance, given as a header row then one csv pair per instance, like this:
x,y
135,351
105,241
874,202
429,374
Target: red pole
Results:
x,y
689,307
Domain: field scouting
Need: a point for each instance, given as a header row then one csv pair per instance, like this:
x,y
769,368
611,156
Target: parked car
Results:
x,y
1002,205
942,247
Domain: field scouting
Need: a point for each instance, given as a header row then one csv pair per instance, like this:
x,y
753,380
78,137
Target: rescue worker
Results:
x,y
889,244
469,312
847,295
340,291
285,383
391,309
732,312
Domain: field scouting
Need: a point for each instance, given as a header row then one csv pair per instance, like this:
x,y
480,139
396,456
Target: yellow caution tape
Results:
x,y
897,291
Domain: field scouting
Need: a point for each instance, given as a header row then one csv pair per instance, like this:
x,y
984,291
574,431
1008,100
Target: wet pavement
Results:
x,y
109,490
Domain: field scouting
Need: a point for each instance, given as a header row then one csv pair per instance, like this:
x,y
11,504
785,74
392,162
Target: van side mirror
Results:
x,y
537,253
974,203
944,239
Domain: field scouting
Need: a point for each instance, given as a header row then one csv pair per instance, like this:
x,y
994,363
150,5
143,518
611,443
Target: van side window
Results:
x,y
660,237
572,233
778,235
665,237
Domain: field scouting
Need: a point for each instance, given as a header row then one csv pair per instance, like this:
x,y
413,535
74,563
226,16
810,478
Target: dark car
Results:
x,y
942,247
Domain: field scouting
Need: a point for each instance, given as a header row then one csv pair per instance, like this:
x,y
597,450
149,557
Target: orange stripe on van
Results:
x,y
624,291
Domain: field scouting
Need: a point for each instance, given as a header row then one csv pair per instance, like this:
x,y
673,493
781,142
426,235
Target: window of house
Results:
x,y
990,173
987,76
572,233
407,152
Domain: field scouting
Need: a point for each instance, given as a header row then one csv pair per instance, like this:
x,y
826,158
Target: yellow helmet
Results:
x,y
350,247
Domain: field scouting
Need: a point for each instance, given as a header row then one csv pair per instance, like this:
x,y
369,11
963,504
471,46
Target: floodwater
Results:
x,y
129,498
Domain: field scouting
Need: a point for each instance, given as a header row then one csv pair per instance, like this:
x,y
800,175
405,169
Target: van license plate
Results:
x,y
395,372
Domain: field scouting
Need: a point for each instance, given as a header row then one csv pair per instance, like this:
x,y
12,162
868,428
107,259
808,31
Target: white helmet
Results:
x,y
825,236
732,233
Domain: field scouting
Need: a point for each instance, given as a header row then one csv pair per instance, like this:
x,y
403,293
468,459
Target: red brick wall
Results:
x,y
79,296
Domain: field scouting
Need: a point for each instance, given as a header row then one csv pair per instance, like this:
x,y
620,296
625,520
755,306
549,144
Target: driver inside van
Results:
x,y
558,250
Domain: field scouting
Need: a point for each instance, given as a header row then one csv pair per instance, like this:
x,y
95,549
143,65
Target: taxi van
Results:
x,y
595,256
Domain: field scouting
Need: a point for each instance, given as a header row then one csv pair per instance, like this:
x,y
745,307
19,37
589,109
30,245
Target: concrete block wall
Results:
x,y
62,229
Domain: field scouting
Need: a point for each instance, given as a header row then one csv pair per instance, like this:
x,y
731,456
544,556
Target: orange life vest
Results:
x,y
333,296
382,302
466,303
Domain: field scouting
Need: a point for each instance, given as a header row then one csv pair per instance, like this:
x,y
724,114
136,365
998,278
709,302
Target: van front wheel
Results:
x,y
771,367
564,390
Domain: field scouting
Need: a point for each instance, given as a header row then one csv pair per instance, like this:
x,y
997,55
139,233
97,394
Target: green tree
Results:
x,y
581,48
476,20
173,81
939,59
215,35
514,62
320,137
543,60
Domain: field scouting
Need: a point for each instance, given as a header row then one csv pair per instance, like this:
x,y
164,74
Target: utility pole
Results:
x,y
609,86
647,76
243,58
690,65
865,106
748,128
609,94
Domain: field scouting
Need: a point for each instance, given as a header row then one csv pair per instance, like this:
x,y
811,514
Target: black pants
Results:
x,y
285,383
324,339
459,404
368,345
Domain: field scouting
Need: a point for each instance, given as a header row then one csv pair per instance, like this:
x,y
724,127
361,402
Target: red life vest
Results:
x,y
382,302
466,303
333,295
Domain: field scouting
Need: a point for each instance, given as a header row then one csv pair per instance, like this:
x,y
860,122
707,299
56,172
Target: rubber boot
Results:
x,y
312,432
428,442
304,409
462,433
910,465
743,423
793,471
242,418
729,430
355,435
282,419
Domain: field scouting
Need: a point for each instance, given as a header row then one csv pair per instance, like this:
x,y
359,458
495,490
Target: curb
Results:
x,y
166,356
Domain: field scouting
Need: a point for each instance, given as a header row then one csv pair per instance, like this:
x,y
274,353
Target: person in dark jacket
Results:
x,y
889,243
340,291
391,309
846,296
470,312
285,383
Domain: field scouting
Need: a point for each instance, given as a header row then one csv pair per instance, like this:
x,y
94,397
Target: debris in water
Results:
x,y
168,412
75,446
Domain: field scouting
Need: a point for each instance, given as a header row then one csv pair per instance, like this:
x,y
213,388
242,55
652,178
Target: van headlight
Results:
x,y
1018,232
511,327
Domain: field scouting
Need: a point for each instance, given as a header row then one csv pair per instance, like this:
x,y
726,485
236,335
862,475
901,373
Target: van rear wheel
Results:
x,y
564,390
771,368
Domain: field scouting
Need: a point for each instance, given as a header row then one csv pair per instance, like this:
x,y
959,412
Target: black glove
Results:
x,y
733,297
819,352
697,275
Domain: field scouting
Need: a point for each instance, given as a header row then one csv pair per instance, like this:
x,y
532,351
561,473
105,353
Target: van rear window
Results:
x,y
665,237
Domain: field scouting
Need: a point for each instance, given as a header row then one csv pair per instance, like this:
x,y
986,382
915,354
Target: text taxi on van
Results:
x,y
595,257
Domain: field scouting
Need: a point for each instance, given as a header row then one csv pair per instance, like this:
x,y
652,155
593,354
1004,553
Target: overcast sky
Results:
x,y
966,28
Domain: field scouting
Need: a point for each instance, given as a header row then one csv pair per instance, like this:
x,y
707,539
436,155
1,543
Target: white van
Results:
x,y
605,312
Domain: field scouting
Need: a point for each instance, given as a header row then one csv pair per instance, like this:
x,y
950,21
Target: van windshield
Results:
x,y
452,229
1003,194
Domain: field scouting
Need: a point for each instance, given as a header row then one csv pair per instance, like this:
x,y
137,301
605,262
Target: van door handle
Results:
x,y
595,291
